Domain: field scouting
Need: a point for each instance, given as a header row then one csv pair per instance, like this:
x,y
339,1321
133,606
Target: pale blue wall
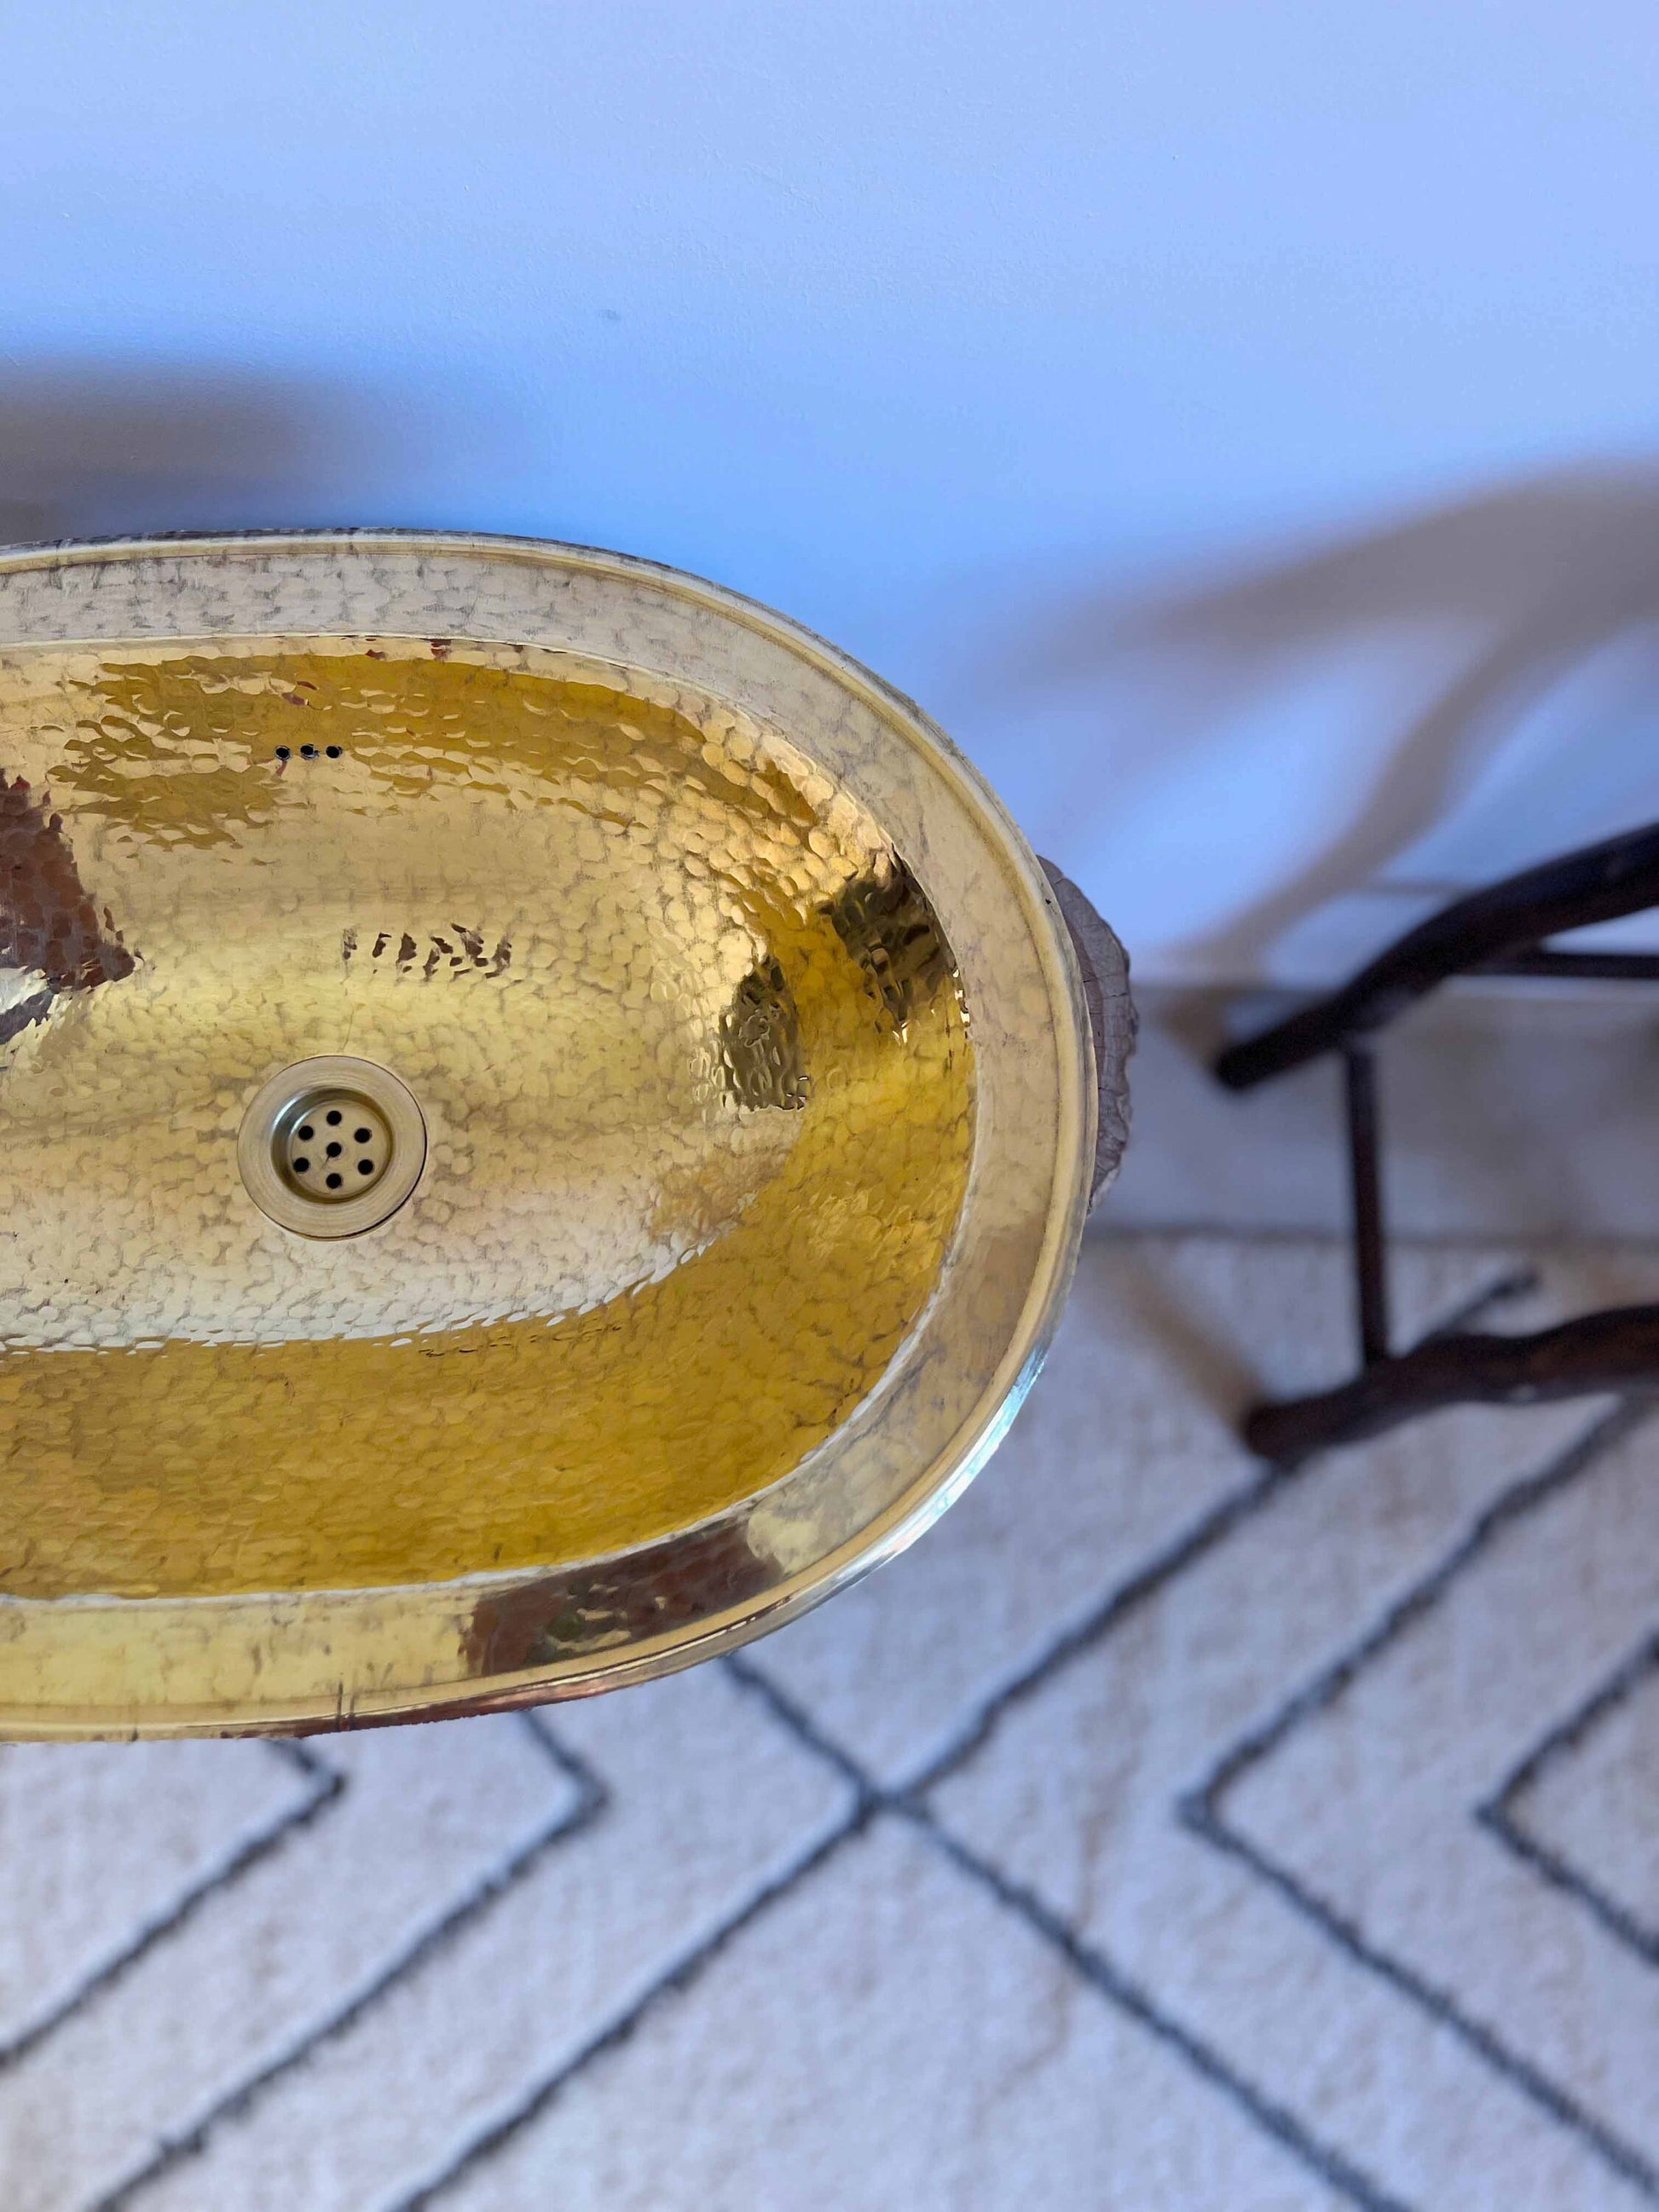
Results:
x,y
929,324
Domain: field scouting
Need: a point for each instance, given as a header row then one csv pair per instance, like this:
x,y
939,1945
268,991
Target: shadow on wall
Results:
x,y
88,452
1468,615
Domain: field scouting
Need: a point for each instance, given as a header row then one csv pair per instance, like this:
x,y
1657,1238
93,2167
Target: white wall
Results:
x,y
942,328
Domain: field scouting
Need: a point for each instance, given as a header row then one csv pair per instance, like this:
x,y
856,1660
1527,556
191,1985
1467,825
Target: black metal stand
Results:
x,y
1497,931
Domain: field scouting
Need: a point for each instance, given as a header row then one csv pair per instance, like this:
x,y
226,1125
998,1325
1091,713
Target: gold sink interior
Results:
x,y
690,1047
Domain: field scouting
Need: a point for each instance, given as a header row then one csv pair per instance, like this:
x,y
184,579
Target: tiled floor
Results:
x,y
1163,1833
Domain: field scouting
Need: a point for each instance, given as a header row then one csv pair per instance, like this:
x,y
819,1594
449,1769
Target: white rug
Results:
x,y
1163,1834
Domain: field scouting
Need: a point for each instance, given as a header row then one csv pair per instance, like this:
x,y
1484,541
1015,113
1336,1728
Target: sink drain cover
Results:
x,y
331,1147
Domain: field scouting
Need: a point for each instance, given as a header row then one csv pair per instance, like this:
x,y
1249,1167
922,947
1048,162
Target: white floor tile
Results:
x,y
1591,1805
424,1816
888,2037
1078,1792
709,1799
102,1842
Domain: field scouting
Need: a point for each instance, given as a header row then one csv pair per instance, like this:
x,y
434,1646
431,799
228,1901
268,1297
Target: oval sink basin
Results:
x,y
548,1117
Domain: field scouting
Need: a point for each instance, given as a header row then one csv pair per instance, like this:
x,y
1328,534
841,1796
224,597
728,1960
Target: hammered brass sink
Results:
x,y
547,1116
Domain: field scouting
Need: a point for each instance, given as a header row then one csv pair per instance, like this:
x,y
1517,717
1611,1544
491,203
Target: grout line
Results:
x,y
1562,1875
1519,1283
1568,1733
593,1799
682,1975
793,1716
1201,1536
325,1787
1604,1434
1092,1965
1201,1809
594,1794
1499,1817
1440,2006
1097,1971
1211,1528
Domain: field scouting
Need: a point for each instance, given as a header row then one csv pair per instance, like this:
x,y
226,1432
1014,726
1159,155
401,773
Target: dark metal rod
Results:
x,y
1581,967
1597,884
1365,1178
1615,1350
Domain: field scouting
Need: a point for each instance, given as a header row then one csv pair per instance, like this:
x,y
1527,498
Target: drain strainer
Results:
x,y
331,1147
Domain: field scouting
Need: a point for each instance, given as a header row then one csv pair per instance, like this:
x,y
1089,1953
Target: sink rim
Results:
x,y
91,1665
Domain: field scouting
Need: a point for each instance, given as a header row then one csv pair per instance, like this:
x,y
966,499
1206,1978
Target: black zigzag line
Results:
x,y
1086,1959
1097,1969
324,1787
1211,1529
674,1981
1202,1809
591,1800
1501,1817
869,1801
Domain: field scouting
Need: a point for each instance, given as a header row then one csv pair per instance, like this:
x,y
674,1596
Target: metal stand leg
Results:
x,y
1500,930
1365,1174
1615,1350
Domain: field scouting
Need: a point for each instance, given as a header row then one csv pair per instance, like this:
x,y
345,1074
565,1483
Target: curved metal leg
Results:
x,y
1615,1350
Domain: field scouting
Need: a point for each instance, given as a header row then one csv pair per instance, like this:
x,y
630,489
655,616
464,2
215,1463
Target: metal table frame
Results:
x,y
1499,931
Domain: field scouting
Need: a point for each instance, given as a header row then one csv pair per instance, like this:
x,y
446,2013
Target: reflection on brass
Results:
x,y
760,1041
691,1178
888,927
728,1114
50,938
667,1587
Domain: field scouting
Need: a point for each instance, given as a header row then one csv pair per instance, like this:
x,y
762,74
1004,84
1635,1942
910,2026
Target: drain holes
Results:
x,y
331,1147
350,1163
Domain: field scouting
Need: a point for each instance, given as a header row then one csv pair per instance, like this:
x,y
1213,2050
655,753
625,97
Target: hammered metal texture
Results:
x,y
757,1090
693,1061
